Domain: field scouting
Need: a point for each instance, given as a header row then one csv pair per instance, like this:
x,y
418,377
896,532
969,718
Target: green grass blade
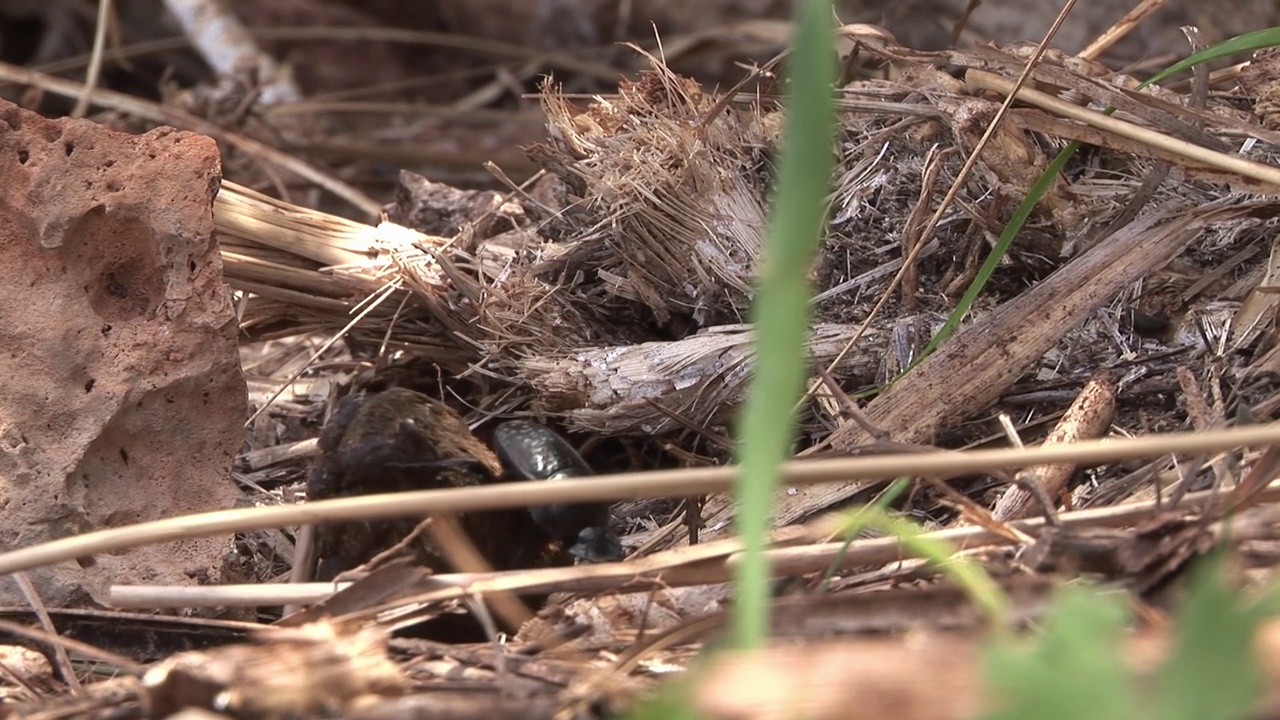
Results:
x,y
781,307
968,574
859,520
1248,42
997,253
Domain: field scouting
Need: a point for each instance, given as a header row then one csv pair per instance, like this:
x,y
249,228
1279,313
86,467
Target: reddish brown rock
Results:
x,y
122,397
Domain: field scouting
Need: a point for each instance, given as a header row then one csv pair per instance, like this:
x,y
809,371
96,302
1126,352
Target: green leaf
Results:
x,y
672,702
1212,674
1072,671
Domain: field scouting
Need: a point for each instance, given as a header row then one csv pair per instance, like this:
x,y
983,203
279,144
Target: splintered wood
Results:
x,y
1088,417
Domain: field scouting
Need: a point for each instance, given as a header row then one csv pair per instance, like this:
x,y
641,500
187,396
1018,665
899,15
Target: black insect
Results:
x,y
398,440
534,452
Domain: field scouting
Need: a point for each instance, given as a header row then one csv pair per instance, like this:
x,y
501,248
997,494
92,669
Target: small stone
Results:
x,y
123,400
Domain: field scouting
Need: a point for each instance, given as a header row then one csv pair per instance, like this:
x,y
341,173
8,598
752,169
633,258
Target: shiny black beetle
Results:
x,y
531,451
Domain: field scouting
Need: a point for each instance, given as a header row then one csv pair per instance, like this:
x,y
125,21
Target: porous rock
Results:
x,y
123,399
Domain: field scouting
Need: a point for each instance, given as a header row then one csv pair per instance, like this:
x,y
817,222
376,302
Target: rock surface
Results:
x,y
123,399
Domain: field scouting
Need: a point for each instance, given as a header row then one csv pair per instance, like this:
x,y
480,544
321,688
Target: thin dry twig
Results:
x,y
172,116
683,482
89,651
46,622
95,59
712,562
1122,27
1181,148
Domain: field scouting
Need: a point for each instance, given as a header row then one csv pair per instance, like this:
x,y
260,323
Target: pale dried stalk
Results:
x,y
1088,417
229,48
685,482
310,258
327,239
704,563
978,79
635,388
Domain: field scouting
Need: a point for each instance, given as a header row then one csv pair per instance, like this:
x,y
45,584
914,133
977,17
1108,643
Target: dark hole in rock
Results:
x,y
117,262
115,288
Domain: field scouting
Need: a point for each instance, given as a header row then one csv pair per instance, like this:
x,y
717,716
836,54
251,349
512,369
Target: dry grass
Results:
x,y
609,295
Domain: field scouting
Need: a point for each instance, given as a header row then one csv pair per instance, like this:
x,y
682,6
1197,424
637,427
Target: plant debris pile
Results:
x,y
610,295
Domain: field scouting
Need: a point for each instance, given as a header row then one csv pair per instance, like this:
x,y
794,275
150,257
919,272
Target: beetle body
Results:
x,y
531,451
